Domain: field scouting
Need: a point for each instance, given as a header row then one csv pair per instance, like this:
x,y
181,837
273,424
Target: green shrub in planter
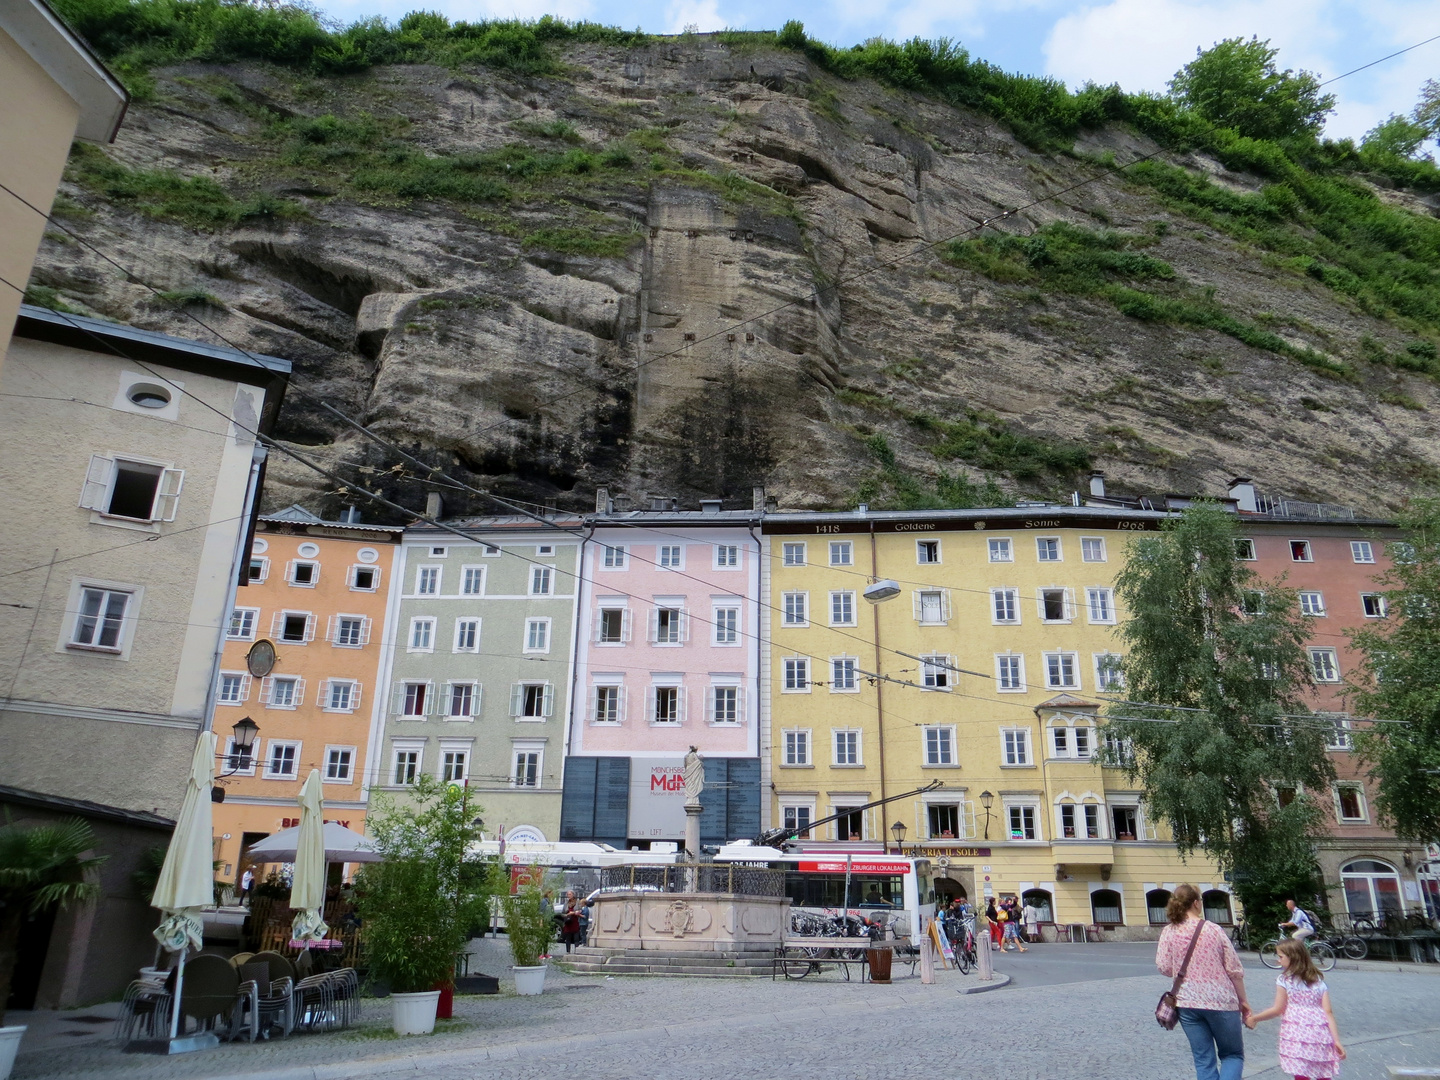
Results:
x,y
529,920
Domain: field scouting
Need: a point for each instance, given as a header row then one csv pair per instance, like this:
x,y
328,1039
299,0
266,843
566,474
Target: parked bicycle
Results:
x,y
961,933
1321,953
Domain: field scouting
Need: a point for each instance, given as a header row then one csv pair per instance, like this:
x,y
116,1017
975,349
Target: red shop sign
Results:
x,y
830,866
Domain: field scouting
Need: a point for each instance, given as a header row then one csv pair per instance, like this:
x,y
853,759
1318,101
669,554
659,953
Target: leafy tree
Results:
x,y
1399,681
421,902
41,867
1399,135
1215,671
1235,84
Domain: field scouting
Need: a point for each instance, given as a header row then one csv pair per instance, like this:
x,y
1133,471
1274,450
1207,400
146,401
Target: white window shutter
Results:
x,y
310,621
625,625
365,630
547,705
475,700
598,629
915,597
517,699
397,697
331,625
654,625
1070,609
945,604
277,623
684,618
245,687
97,482
299,691
740,715
167,495
265,685
680,715
620,695
650,705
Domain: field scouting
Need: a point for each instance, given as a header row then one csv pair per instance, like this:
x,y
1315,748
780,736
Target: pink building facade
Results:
x,y
667,658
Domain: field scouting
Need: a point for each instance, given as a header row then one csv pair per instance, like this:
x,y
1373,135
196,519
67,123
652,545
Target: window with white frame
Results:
x,y
364,578
349,631
100,622
796,746
283,691
795,606
1092,549
462,701
1119,752
1125,822
135,490
671,556
792,554
1362,551
1055,605
846,744
797,818
258,570
1015,747
842,608
467,635
545,549
935,673
606,704
1005,606
472,580
489,550
414,698
542,580
943,821
532,700
1047,549
727,556
405,765
427,580
453,764
1100,605
1082,736
303,573
1300,551
242,624
1338,738
342,695
1245,549
667,704
842,553
237,761
725,704
282,760
1312,603
1001,549
1325,664
537,635
1252,602
1021,819
339,764
1400,551
797,675
613,557
927,552
850,825
525,766
1010,672
727,626
439,552
842,675
939,744
613,626
1060,741
932,607
293,627
1108,674
234,688
422,634
1350,802
668,626
1374,605
1061,671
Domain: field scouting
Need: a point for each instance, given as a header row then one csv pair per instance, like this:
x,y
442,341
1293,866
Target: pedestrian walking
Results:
x,y
1030,917
570,923
1211,995
247,882
992,917
1310,1047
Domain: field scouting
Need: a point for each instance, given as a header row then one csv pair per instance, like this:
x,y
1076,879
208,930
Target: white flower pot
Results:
x,y
414,1013
529,980
9,1047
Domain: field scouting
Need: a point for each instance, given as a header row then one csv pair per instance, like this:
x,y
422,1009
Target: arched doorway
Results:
x,y
1372,888
948,889
1043,902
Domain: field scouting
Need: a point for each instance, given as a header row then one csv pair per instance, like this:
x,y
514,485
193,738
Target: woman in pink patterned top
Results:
x,y
1212,998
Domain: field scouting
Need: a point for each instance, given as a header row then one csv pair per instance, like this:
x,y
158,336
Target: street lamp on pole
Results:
x,y
238,756
986,799
898,831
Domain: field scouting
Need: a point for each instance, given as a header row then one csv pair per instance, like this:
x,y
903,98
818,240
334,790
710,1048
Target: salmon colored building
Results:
x,y
318,592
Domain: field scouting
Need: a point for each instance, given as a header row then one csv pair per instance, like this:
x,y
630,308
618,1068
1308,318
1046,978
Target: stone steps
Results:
x,y
711,964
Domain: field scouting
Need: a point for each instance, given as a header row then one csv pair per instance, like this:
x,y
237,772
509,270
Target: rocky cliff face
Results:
x,y
685,269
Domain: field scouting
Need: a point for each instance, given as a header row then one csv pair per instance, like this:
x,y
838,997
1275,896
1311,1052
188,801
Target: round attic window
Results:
x,y
260,546
148,395
368,555
309,551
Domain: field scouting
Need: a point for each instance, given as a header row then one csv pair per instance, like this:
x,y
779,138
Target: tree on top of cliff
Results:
x,y
1235,84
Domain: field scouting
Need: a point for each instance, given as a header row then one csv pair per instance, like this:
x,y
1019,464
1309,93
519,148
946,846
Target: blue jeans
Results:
x,y
1211,1031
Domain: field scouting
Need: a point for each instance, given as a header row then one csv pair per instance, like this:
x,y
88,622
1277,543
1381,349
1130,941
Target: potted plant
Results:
x,y
41,866
530,926
418,904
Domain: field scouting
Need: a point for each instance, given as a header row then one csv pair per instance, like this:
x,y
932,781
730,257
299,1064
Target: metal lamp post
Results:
x,y
242,742
986,800
898,831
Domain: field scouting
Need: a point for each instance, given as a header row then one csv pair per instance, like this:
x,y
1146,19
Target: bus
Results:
x,y
815,882
572,866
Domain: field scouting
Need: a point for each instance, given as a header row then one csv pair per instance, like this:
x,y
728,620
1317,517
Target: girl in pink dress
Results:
x,y
1310,1046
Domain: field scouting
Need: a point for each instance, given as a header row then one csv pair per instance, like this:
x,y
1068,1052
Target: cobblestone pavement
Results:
x,y
1045,1026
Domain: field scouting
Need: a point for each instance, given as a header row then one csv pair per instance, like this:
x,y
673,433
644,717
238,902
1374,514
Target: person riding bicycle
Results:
x,y
1300,925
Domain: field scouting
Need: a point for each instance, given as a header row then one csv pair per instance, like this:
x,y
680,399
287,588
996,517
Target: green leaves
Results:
x,y
1235,84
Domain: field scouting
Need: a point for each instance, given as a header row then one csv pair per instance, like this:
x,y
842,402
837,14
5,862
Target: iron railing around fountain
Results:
x,y
695,877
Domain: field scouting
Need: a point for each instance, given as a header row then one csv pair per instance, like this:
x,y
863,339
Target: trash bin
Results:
x,y
878,961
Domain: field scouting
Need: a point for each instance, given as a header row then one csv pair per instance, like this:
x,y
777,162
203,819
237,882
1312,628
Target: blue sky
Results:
x,y
1137,43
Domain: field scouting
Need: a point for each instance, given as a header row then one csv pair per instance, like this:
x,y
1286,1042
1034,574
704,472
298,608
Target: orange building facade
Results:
x,y
318,592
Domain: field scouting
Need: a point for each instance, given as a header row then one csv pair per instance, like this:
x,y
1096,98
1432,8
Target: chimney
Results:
x,y
602,500
1097,484
434,506
1242,490
710,506
757,499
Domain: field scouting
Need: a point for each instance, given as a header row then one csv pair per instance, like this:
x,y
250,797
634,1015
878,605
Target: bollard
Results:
x,y
927,958
983,960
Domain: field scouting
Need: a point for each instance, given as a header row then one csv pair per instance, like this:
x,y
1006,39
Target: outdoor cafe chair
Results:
x,y
145,1009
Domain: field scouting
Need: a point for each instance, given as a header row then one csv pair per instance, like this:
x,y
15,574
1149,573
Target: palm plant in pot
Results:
x,y
41,866
419,903
530,926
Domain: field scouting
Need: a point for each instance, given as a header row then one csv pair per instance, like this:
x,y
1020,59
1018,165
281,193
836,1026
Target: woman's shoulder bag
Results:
x,y
1167,1011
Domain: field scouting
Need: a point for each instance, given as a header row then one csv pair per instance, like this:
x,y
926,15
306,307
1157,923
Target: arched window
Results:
x,y
1105,907
1372,888
1216,903
1155,901
1043,902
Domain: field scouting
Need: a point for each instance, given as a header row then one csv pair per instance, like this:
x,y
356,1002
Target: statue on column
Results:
x,y
694,777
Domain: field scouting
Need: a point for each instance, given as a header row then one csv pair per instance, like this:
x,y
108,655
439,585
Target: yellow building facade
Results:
x,y
984,671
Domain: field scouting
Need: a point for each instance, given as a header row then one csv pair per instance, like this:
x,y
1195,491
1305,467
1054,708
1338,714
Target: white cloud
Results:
x,y
704,15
